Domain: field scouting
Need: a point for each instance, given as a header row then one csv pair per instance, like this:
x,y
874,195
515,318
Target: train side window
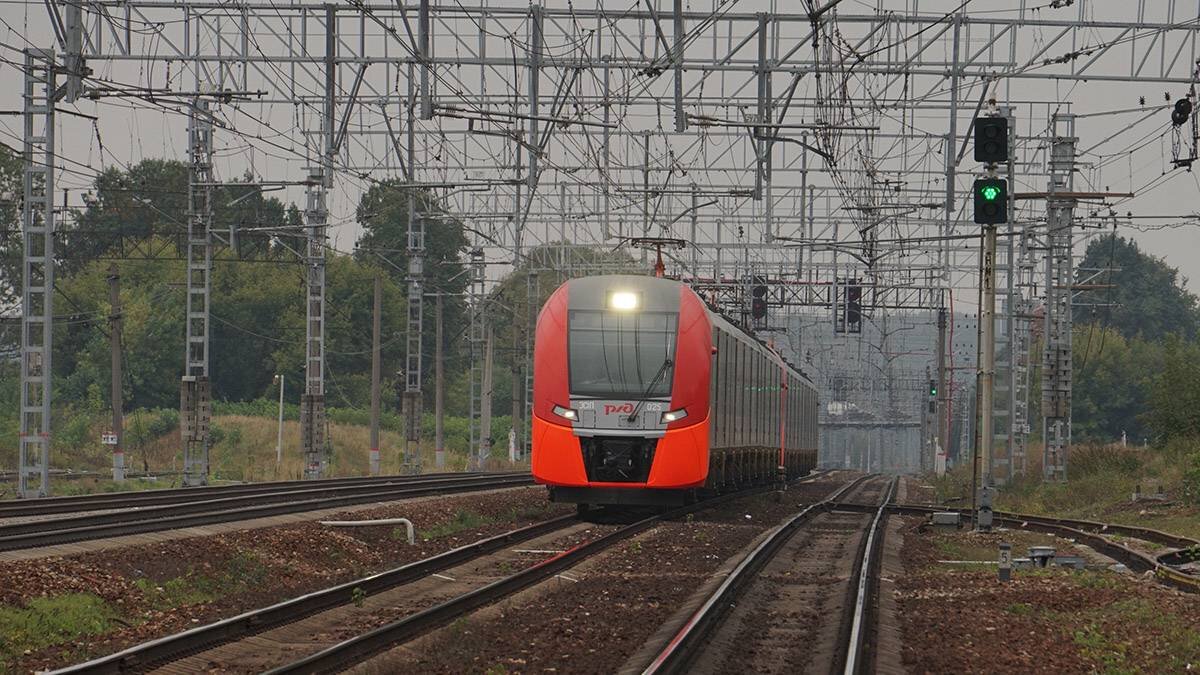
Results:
x,y
714,381
749,409
758,406
722,396
746,402
744,399
777,402
770,404
793,419
727,389
760,410
738,392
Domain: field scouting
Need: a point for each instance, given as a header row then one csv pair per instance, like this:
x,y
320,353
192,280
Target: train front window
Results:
x,y
622,355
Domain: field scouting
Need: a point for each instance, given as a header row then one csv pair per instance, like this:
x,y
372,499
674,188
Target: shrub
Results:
x,y
1191,480
1086,460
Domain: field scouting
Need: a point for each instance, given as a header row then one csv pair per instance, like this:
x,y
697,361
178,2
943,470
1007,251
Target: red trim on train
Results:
x,y
557,455
680,458
550,386
693,363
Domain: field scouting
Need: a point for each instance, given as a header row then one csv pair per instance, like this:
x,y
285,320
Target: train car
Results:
x,y
642,394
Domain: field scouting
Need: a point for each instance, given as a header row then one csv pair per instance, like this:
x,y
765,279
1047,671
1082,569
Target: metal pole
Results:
x,y
376,372
114,341
1010,307
677,57
312,401
439,391
37,289
195,399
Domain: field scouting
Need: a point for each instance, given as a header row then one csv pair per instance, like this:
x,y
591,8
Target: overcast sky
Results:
x,y
1129,149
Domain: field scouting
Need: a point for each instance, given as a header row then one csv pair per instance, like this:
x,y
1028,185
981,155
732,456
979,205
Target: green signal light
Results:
x,y
990,193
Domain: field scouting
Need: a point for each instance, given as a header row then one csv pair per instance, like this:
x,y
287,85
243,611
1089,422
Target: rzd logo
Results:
x,y
612,409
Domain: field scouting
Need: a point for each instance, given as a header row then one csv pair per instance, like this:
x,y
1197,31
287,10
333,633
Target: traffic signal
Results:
x,y
1181,113
991,139
854,309
991,201
758,303
758,308
933,388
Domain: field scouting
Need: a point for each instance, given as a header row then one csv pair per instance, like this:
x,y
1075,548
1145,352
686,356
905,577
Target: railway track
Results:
x,y
128,500
1097,535
362,647
237,629
773,567
228,508
173,647
168,651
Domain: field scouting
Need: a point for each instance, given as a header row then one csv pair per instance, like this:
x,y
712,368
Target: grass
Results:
x,y
1099,633
49,622
178,592
462,521
1100,649
241,572
961,546
1102,480
1019,608
244,451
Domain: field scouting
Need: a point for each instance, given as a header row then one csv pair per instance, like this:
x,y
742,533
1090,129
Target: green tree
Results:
x,y
1174,410
151,199
383,214
1114,377
1148,297
11,197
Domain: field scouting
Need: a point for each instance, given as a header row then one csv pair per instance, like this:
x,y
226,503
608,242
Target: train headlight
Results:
x,y
623,301
674,415
566,413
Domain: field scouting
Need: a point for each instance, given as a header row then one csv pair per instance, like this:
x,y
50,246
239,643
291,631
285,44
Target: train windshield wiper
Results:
x,y
653,383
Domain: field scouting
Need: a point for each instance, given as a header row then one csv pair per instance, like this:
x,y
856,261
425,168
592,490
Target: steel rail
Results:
x,y
856,659
676,655
229,510
120,500
362,647
1132,531
1093,535
173,647
132,514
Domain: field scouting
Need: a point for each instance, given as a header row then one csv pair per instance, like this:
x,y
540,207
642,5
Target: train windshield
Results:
x,y
622,355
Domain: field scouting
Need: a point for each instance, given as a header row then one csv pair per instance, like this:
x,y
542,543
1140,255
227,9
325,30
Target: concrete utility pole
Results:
x,y
376,373
114,341
942,445
485,402
279,426
987,367
516,385
439,389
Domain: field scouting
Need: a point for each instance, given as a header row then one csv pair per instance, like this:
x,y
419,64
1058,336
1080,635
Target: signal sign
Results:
x,y
1182,111
991,139
991,201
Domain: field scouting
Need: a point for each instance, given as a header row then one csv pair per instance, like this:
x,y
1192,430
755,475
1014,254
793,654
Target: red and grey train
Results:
x,y
644,395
